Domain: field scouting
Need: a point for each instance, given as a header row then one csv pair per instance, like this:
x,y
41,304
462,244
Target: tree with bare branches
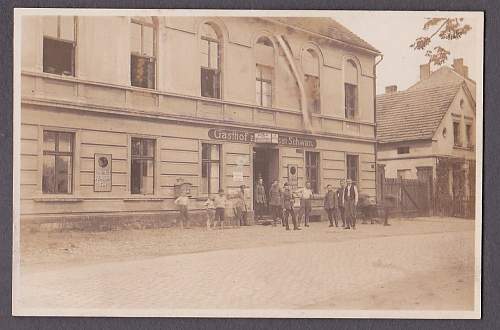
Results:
x,y
443,28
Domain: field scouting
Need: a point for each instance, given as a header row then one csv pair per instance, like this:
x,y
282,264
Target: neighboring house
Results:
x,y
116,111
428,132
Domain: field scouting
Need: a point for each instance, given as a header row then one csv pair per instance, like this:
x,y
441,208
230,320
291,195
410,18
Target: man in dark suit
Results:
x,y
350,203
330,205
340,202
288,202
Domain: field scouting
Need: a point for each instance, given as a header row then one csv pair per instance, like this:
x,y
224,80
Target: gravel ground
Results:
x,y
44,250
417,265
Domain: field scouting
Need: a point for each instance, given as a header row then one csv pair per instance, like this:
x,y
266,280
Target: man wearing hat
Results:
x,y
241,206
350,197
288,202
340,202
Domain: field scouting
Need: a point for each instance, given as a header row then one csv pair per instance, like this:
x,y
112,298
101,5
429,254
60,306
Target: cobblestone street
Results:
x,y
419,264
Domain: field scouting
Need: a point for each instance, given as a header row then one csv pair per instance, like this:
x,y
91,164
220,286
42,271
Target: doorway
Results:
x,y
265,167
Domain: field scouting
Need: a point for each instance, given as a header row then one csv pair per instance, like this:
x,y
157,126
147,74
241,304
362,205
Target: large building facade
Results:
x,y
118,111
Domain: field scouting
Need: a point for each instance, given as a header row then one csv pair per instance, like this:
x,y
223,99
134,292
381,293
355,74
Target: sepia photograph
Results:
x,y
247,163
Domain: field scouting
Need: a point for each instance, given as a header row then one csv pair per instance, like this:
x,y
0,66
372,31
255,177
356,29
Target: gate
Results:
x,y
412,197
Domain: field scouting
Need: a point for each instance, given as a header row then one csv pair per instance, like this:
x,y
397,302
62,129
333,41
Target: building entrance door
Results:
x,y
265,167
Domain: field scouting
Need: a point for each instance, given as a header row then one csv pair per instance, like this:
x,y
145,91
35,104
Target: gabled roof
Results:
x,y
445,75
414,114
327,27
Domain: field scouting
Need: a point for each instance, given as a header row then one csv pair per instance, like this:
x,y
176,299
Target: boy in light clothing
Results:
x,y
210,210
182,202
220,202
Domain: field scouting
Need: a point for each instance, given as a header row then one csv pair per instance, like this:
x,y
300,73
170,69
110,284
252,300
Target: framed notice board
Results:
x,y
102,172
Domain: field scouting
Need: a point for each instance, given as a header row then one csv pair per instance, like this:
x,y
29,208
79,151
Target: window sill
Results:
x,y
51,199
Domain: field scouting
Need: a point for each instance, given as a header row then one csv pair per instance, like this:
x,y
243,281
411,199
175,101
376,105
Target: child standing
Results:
x,y
210,209
220,202
182,202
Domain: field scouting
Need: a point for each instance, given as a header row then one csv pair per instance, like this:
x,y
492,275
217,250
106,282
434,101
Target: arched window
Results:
x,y
310,65
351,89
143,52
210,62
264,58
59,44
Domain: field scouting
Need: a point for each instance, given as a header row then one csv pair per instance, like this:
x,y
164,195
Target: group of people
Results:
x,y
339,204
215,208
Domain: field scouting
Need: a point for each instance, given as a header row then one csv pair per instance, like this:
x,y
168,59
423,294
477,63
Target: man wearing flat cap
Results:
x,y
350,198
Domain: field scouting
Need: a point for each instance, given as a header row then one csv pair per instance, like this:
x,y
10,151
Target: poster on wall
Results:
x,y
102,172
293,176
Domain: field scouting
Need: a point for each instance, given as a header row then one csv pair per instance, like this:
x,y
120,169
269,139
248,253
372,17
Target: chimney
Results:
x,y
391,89
466,71
425,71
460,68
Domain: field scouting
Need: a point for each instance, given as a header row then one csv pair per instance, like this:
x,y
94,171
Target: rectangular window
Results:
x,y
59,44
142,167
312,92
142,57
351,103
57,162
210,168
352,167
210,83
403,150
264,85
210,73
457,139
468,135
312,170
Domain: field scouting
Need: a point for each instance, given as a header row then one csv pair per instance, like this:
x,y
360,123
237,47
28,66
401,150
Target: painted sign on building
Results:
x,y
244,136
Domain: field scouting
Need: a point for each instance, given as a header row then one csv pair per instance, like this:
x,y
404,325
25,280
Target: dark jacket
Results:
x,y
352,194
330,201
287,199
260,194
275,195
339,194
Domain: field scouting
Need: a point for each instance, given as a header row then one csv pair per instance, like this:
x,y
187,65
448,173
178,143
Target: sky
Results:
x,y
392,33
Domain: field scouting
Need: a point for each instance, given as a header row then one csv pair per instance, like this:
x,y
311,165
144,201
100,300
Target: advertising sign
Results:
x,y
102,172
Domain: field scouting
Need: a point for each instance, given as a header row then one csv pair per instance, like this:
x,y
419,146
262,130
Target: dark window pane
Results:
x,y
63,174
136,173
148,148
136,147
58,57
142,166
142,71
352,167
49,176
49,141
65,142
205,151
350,100
209,83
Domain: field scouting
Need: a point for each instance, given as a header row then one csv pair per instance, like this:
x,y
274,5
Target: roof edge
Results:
x,y
375,52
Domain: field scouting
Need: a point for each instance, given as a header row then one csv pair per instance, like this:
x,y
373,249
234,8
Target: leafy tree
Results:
x,y
445,29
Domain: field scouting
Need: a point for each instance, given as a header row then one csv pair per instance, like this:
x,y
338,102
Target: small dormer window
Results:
x,y
462,103
403,150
